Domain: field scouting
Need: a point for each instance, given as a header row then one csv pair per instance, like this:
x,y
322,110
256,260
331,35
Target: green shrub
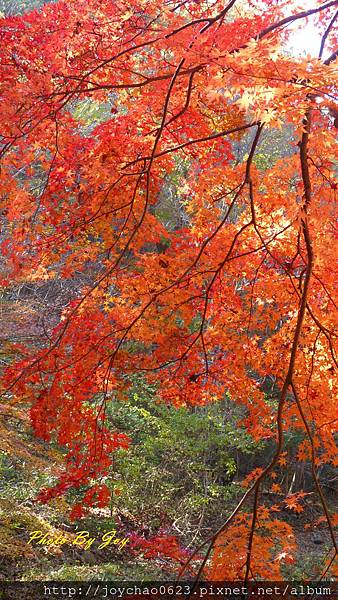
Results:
x,y
178,472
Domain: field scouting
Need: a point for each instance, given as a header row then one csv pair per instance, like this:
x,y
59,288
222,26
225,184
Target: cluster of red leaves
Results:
x,y
159,546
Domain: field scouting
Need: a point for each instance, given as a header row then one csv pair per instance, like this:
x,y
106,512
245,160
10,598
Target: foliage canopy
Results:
x,y
105,106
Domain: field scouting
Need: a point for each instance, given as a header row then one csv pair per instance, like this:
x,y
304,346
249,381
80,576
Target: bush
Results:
x,y
178,473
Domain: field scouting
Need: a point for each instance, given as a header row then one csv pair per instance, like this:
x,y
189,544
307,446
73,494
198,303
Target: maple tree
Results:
x,y
242,292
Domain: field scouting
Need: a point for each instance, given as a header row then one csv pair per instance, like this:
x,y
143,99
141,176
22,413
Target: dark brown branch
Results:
x,y
292,360
251,535
313,467
324,38
207,138
207,20
292,18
